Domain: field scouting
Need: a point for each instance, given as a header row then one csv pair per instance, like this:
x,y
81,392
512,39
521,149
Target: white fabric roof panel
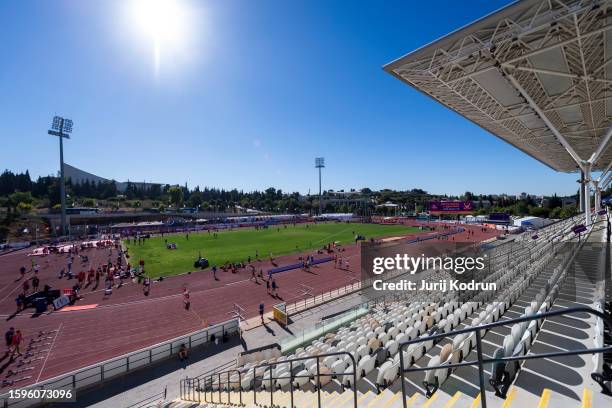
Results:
x,y
535,74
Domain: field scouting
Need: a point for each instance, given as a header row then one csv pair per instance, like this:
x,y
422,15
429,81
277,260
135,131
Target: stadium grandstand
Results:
x,y
535,74
77,175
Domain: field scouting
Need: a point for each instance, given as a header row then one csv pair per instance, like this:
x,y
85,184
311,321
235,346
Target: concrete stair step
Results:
x,y
416,400
516,398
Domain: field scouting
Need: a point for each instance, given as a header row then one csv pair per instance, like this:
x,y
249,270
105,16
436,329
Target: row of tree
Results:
x,y
16,188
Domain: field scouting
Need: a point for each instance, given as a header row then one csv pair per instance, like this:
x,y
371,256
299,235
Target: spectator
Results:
x,y
183,352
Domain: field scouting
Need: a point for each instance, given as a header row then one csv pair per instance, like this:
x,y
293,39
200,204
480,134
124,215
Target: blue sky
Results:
x,y
251,93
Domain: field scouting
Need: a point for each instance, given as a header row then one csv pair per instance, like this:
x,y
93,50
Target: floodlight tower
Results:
x,y
61,128
319,164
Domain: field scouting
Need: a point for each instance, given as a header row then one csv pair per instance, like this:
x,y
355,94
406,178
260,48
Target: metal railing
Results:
x,y
318,376
109,369
481,361
150,400
210,379
193,388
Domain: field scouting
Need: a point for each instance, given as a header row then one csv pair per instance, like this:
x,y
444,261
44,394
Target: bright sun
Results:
x,y
165,23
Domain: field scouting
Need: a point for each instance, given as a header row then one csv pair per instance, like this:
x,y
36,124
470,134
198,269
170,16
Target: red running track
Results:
x,y
127,320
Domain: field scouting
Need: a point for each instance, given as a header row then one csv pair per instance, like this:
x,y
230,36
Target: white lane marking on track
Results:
x,y
59,329
9,294
234,283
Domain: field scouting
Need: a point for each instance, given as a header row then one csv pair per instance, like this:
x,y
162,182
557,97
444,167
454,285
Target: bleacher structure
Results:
x,y
451,350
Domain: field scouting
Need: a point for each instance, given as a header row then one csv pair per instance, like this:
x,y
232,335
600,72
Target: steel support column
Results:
x,y
581,191
587,196
596,194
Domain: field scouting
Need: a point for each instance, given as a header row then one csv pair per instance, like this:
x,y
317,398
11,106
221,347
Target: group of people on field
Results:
x,y
30,285
13,339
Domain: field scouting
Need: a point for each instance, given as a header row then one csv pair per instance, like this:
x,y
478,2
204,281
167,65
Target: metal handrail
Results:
x,y
229,398
291,376
150,399
481,361
188,385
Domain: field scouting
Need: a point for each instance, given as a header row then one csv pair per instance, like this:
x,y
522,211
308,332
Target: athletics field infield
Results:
x,y
237,245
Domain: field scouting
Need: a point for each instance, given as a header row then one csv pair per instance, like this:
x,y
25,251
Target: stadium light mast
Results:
x,y
61,128
319,164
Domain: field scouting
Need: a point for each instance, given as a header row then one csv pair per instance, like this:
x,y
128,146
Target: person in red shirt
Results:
x,y
26,286
16,342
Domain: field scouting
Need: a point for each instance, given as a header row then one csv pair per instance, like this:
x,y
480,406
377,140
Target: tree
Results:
x,y
569,211
554,202
89,202
539,212
176,196
21,197
520,208
555,212
195,199
24,208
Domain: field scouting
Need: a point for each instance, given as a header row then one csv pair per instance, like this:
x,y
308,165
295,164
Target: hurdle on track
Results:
x,y
18,371
11,382
32,346
238,312
34,352
38,340
30,361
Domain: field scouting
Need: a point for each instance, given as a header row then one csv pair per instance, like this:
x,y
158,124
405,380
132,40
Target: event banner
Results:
x,y
453,207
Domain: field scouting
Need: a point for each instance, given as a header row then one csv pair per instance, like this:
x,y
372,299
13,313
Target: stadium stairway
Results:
x,y
390,399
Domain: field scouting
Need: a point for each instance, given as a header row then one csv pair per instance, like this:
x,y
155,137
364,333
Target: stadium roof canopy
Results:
x,y
536,74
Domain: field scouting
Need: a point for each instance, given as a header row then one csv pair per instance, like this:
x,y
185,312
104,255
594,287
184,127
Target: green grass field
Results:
x,y
237,245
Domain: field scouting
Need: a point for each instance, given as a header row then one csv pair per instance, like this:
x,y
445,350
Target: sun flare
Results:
x,y
164,24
